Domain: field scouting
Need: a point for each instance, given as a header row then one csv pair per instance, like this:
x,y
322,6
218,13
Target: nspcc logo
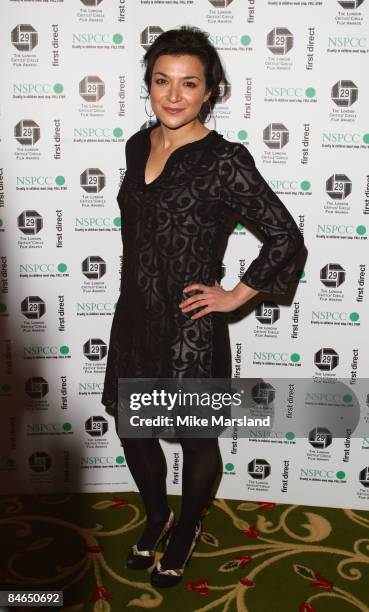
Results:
x,y
93,267
30,222
263,393
33,307
24,37
39,462
320,437
36,387
344,93
92,88
326,359
267,313
332,275
280,41
37,89
95,349
39,181
27,132
92,180
338,186
148,35
321,475
275,135
350,4
96,426
259,469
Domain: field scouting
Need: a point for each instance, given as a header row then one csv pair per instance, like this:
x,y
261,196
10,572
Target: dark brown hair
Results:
x,y
189,40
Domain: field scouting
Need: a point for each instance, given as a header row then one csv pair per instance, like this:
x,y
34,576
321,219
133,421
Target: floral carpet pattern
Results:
x,y
251,556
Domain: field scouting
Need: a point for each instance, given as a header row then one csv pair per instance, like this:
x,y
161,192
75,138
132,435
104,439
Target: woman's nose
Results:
x,y
174,93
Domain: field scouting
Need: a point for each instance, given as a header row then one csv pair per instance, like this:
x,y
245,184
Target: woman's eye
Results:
x,y
187,83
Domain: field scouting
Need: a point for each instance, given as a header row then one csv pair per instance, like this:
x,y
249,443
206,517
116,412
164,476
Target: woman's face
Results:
x,y
178,89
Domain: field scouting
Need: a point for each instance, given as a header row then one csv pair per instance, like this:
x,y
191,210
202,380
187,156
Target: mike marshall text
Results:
x,y
194,421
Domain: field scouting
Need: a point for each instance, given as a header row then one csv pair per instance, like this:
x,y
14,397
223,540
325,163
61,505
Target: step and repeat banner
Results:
x,y
71,95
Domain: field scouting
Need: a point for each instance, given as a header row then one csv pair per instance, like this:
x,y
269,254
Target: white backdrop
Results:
x,y
71,94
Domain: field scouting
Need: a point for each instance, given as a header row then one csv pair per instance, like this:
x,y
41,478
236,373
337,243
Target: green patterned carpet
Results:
x,y
254,557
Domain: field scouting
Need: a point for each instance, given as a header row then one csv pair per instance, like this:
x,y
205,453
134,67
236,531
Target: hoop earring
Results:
x,y
152,115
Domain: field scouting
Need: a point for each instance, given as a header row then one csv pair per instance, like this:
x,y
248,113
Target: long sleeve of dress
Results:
x,y
246,192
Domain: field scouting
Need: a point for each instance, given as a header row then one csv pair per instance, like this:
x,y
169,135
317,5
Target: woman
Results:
x,y
181,185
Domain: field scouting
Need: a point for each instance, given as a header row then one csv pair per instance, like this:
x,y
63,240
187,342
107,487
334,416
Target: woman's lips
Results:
x,y
172,111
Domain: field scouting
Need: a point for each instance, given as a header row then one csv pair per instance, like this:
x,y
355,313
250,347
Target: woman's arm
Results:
x,y
245,191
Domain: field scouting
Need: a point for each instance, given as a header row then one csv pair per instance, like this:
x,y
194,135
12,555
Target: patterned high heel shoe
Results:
x,y
142,559
166,578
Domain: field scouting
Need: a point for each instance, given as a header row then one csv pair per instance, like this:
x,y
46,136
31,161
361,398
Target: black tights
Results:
x,y
146,461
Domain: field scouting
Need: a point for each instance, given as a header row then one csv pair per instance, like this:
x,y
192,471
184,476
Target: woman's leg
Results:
x,y
146,461
201,464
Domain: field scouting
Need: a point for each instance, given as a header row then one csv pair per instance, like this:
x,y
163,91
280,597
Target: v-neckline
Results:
x,y
147,152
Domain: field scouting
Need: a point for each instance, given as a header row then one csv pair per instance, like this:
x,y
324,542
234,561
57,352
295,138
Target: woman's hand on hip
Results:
x,y
214,299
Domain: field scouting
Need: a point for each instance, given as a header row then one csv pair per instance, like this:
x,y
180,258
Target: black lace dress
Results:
x,y
171,231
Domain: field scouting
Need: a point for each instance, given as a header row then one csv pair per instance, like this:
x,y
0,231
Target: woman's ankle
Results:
x,y
178,548
158,519
152,531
